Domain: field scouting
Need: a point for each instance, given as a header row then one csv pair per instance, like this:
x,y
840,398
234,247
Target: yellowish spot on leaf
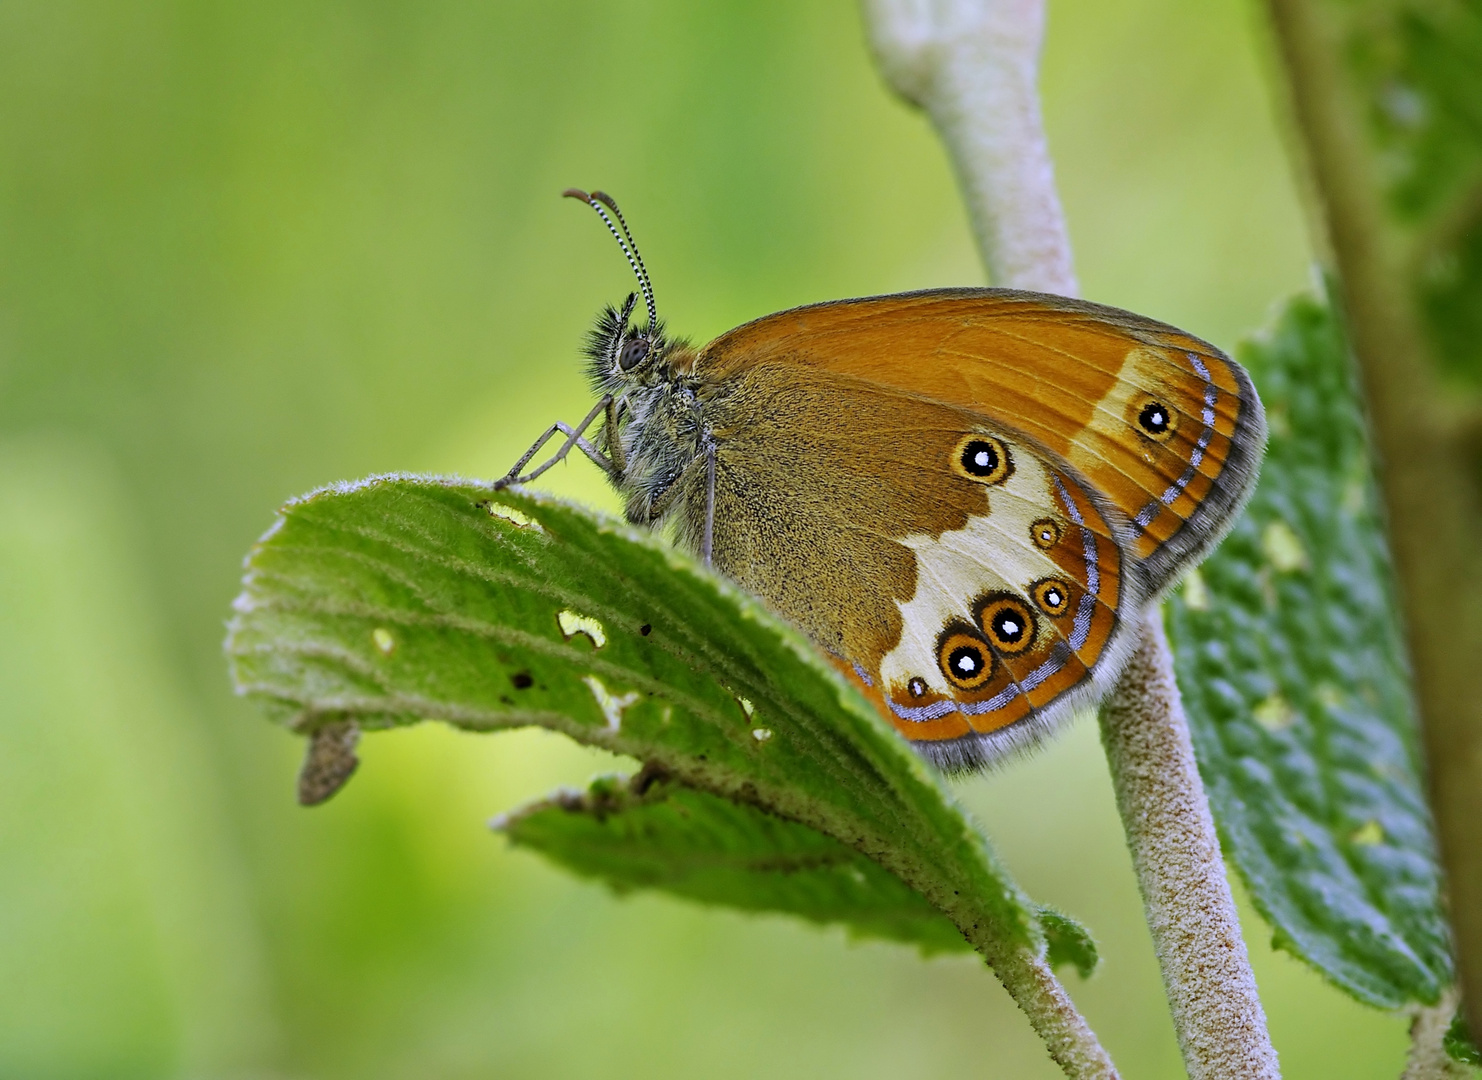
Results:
x,y
1282,547
761,734
1368,834
573,623
384,641
1267,587
612,705
1196,593
1330,696
746,706
1274,713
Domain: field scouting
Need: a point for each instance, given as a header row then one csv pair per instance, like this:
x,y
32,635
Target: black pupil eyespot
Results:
x,y
980,458
1153,418
917,687
965,660
632,353
1008,626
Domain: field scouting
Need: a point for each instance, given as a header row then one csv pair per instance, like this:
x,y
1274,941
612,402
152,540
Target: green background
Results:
x,y
246,249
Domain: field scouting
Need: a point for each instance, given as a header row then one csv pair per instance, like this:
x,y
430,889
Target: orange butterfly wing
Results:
x,y
1077,377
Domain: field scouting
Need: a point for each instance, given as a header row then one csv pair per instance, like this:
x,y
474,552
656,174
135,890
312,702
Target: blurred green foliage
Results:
x,y
246,249
1419,65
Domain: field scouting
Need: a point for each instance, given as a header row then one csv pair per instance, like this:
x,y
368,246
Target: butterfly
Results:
x,y
968,497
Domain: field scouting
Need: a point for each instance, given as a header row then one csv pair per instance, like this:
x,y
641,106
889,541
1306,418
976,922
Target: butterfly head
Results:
x,y
622,353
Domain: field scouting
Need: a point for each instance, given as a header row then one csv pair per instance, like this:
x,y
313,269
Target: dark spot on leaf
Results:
x,y
645,629
522,680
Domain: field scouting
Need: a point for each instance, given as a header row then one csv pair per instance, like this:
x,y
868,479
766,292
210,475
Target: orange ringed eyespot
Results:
x,y
983,458
1052,595
1045,532
965,661
1008,624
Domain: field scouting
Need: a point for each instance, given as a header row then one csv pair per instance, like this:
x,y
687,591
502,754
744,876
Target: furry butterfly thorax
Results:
x,y
968,497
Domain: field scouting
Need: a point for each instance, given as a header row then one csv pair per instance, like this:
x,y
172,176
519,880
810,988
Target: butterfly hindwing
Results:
x,y
972,579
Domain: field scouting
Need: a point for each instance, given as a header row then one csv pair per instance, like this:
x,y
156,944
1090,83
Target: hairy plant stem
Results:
x,y
1426,462
1206,971
1428,1059
1031,982
972,66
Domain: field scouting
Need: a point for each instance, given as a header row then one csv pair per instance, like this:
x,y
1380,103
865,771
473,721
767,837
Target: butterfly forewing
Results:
x,y
1162,425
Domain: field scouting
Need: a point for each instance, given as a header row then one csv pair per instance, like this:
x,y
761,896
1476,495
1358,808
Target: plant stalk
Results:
x,y
1211,990
973,66
1428,1059
1031,982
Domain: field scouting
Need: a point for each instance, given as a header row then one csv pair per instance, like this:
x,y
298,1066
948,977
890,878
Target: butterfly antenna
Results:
x,y
602,202
611,204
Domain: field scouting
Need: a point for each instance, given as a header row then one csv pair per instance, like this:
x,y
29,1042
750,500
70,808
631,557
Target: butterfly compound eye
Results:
x,y
984,459
633,353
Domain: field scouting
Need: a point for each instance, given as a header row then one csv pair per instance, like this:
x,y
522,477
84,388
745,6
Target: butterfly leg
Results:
x,y
574,439
614,444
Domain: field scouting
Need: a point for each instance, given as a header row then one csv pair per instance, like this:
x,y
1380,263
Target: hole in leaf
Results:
x,y
510,514
572,623
612,705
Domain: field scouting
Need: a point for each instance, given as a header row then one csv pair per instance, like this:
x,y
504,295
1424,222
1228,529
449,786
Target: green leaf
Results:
x,y
1289,657
656,834
1068,942
1458,1044
402,599
649,832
